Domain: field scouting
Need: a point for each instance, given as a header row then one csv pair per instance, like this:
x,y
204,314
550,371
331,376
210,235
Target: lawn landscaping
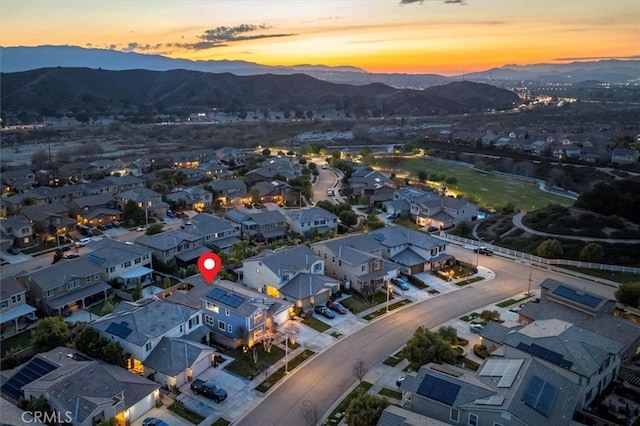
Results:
x,y
316,324
470,365
469,281
179,408
356,303
244,366
280,372
333,418
221,422
491,192
382,311
19,341
392,361
336,334
434,291
391,393
510,302
470,317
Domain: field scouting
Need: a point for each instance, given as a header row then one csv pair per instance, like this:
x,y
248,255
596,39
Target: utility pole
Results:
x,y
530,273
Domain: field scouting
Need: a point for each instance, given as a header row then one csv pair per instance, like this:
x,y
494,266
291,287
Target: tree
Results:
x,y
366,409
114,354
464,229
90,342
108,307
38,159
154,228
239,250
449,334
49,333
422,176
180,178
132,213
254,195
137,292
359,370
191,270
425,347
551,249
592,252
266,152
488,315
628,294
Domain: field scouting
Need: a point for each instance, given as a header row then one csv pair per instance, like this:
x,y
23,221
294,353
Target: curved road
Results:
x,y
326,376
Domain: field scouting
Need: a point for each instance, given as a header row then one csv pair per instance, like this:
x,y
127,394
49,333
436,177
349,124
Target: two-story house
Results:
x,y
214,169
92,210
230,192
193,198
312,220
61,194
261,226
624,157
14,307
375,186
214,230
174,247
127,264
17,231
588,359
430,209
416,251
504,391
293,273
67,285
18,180
142,329
49,220
231,156
148,200
272,167
274,191
357,261
15,203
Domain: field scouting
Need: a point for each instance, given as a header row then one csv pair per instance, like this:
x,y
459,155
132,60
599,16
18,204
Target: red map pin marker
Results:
x,y
209,265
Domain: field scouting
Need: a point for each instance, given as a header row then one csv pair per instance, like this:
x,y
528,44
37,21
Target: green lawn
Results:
x,y
244,366
221,422
316,324
470,317
280,373
469,281
179,408
18,341
356,303
491,192
392,361
510,302
382,311
391,393
344,404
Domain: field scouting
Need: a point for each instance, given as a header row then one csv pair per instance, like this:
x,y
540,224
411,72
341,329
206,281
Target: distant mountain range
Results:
x,y
18,59
51,91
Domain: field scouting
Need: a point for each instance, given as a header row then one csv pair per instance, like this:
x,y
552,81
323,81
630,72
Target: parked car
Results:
x,y
400,282
483,250
392,216
337,306
400,380
116,224
72,256
13,250
432,229
152,421
171,213
109,225
324,311
83,242
476,328
209,389
141,228
329,191
102,227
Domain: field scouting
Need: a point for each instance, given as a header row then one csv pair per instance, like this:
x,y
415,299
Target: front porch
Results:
x,y
67,304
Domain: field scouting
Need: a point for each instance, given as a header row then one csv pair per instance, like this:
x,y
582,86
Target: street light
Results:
x,y
530,273
389,291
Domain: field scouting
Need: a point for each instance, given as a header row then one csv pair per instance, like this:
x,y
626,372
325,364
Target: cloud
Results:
x,y
596,58
443,1
222,36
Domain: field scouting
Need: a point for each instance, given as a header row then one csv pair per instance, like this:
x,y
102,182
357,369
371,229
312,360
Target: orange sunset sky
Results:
x,y
431,36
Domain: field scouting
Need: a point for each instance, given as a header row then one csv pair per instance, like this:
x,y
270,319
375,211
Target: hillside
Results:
x,y
50,91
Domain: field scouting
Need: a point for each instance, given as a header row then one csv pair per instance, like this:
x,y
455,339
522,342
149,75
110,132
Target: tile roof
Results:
x,y
60,273
108,252
305,284
286,260
209,224
392,236
310,214
268,217
10,286
167,240
171,356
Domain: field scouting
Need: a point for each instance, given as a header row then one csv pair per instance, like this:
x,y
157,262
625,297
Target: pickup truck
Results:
x,y
209,389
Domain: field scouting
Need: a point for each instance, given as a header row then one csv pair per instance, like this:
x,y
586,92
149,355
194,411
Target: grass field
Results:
x,y
491,192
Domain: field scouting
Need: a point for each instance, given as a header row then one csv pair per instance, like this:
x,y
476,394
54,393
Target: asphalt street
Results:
x,y
323,380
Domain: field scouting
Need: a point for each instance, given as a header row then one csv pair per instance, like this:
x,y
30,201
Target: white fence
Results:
x,y
542,260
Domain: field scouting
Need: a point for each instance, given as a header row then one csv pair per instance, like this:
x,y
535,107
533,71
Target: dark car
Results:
x,y
152,421
209,389
102,227
336,306
400,282
13,250
109,225
483,250
324,311
171,213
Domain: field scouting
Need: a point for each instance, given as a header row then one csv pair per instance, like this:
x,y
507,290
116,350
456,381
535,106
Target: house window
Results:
x,y
473,419
454,415
127,264
73,284
376,265
257,317
60,288
87,280
221,325
229,328
96,277
364,268
227,312
317,267
208,320
181,328
138,260
257,333
48,293
147,347
16,298
112,269
4,304
212,307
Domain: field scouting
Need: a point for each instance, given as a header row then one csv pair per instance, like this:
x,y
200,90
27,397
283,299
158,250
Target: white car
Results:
x,y
141,228
83,242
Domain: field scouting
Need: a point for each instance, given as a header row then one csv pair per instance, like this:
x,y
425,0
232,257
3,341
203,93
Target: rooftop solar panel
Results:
x,y
121,329
222,296
96,259
540,395
546,354
571,294
439,390
31,371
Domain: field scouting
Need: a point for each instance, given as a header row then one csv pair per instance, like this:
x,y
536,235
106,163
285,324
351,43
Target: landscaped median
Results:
x,y
281,372
384,310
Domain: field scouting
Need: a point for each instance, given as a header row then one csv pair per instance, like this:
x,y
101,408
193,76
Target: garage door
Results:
x,y
416,269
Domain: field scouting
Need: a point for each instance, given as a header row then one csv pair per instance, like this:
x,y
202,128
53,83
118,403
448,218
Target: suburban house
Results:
x,y
18,180
66,285
292,273
585,310
62,194
231,156
375,186
93,210
274,191
624,157
357,261
214,230
231,192
431,209
102,186
415,250
84,392
102,165
142,328
273,167
504,391
17,202
13,307
125,263
191,159
260,226
17,231
193,198
214,169
50,219
179,247
237,318
588,359
312,220
148,200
